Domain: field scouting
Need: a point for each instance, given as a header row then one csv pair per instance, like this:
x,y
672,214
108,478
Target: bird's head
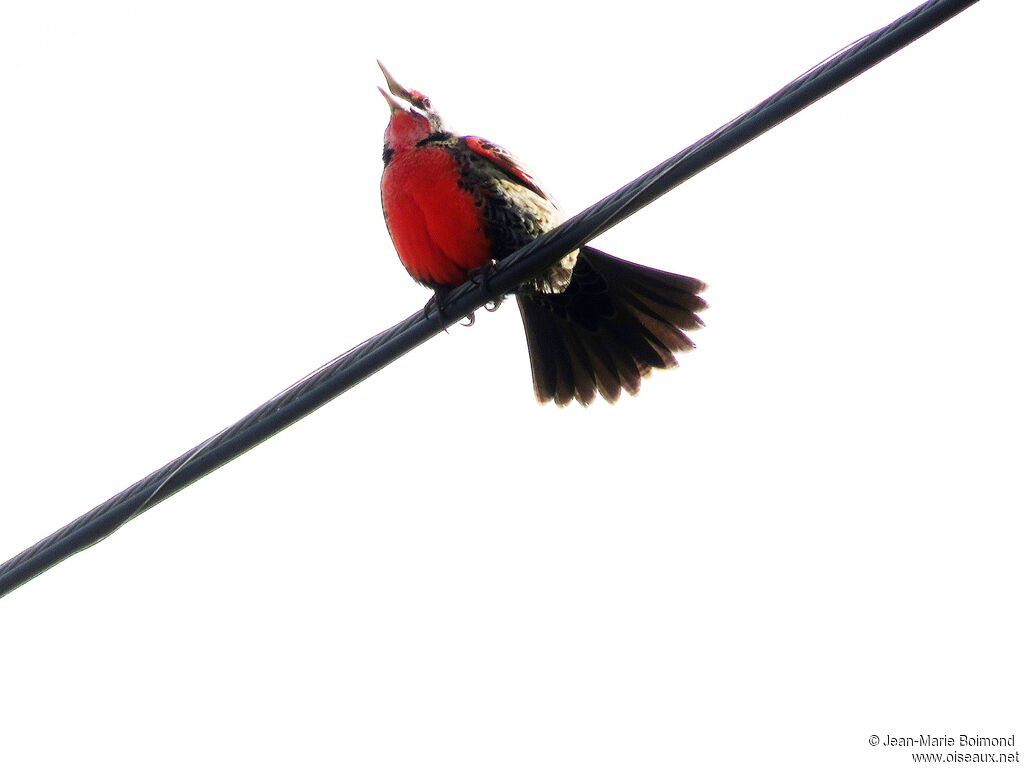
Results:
x,y
412,117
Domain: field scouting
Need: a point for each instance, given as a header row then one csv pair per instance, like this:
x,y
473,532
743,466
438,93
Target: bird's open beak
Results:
x,y
393,85
396,104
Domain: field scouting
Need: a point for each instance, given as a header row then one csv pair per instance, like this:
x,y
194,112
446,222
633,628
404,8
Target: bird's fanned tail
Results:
x,y
614,323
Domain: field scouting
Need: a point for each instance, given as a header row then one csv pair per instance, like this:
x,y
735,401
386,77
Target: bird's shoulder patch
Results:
x,y
505,160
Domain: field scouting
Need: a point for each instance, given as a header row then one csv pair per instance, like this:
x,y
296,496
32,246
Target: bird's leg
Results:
x,y
437,301
440,301
479,276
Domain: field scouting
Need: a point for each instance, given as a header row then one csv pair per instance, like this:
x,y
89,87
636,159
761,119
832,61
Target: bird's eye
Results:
x,y
425,102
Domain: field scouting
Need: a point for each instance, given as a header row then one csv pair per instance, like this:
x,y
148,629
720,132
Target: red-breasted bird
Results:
x,y
454,205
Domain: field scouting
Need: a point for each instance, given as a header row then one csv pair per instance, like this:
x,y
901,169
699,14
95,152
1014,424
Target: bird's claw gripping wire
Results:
x,y
436,302
439,301
479,276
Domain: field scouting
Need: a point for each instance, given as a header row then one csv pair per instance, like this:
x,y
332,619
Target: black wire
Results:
x,y
355,365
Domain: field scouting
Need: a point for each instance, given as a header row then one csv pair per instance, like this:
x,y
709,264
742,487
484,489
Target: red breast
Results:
x,y
436,224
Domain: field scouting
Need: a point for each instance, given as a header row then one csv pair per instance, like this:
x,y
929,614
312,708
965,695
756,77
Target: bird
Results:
x,y
456,205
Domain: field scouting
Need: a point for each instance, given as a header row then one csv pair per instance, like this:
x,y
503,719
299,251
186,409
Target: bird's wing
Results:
x,y
507,162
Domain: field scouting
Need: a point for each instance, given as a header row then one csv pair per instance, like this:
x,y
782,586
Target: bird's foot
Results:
x,y
439,301
480,276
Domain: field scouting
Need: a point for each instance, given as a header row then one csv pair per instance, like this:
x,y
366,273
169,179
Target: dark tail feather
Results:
x,y
614,323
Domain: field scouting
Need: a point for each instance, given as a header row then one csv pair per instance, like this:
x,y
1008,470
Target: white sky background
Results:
x,y
807,534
